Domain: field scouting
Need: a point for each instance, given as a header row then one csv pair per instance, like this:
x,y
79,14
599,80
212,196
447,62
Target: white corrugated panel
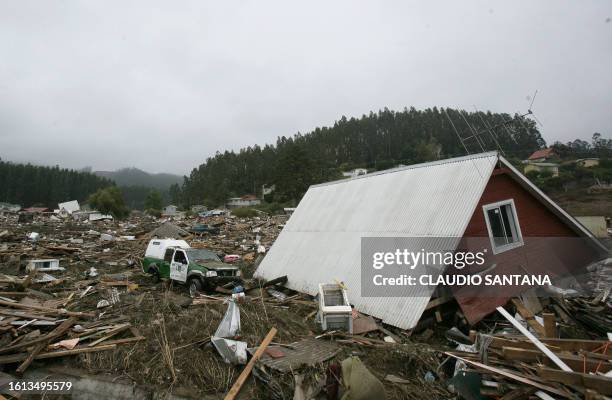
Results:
x,y
322,240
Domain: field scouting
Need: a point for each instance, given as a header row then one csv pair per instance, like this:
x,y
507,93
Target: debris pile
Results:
x,y
77,296
562,354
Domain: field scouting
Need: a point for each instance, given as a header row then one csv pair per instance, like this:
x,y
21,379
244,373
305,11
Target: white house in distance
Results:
x,y
68,208
170,210
355,172
247,200
587,162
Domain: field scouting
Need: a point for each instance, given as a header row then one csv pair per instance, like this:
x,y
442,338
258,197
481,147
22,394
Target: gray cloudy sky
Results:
x,y
161,85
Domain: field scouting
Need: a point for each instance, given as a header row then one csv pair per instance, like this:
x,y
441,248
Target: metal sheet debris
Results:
x,y
298,354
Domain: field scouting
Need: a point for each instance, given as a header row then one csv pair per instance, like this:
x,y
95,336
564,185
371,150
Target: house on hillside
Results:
x,y
540,167
587,162
474,203
544,160
248,200
543,155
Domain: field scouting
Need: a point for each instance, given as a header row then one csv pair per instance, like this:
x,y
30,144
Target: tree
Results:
x,y
374,141
174,192
109,201
27,184
153,201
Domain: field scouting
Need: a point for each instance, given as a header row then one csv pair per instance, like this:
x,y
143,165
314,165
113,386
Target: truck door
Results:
x,y
178,267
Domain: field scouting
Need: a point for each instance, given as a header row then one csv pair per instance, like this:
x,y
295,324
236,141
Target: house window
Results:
x,y
503,226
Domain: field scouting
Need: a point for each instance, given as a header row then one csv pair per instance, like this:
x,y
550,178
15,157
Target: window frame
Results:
x,y
184,254
171,251
500,249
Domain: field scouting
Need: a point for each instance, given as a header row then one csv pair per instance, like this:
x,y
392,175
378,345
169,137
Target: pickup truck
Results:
x,y
199,269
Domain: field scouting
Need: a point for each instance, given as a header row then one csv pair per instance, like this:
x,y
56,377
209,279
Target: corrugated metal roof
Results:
x,y
321,242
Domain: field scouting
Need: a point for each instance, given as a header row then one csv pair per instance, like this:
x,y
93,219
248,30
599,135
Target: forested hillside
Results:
x,y
136,185
138,177
376,141
28,185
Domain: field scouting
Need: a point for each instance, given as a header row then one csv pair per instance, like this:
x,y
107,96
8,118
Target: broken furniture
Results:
x,y
335,312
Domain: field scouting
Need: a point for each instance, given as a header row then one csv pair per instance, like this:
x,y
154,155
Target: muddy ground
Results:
x,y
164,314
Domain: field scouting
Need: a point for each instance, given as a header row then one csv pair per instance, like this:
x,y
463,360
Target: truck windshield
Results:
x,y
201,255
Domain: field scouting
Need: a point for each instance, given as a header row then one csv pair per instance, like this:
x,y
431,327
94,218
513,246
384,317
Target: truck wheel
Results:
x,y
195,286
154,273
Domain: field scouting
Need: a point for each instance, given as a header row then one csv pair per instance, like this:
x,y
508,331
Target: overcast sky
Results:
x,y
161,85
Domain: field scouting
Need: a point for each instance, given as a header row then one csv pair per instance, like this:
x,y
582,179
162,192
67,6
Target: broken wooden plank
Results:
x,y
26,315
233,392
389,333
518,394
533,339
110,334
529,317
576,363
550,325
571,345
57,332
14,358
33,353
564,316
438,301
276,281
131,286
47,310
601,384
126,340
511,375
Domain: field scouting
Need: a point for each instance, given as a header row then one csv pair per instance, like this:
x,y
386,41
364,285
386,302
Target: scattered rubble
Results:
x,y
74,299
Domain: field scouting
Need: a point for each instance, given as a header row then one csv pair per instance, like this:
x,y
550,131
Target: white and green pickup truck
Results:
x,y
200,269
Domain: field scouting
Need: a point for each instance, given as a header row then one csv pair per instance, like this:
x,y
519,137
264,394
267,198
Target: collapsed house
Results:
x,y
479,200
67,208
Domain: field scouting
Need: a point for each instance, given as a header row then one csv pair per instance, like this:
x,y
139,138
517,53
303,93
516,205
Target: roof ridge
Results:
x,y
413,166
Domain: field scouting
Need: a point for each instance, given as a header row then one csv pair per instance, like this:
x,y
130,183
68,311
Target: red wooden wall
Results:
x,y
548,247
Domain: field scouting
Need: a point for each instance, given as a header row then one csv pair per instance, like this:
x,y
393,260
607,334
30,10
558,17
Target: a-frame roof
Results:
x,y
321,242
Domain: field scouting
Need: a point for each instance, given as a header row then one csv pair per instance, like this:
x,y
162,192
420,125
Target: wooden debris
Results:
x,y
528,317
233,392
13,358
534,340
47,310
511,375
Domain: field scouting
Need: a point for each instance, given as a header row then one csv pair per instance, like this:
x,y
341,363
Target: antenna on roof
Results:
x,y
530,111
491,131
475,135
456,131
462,140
